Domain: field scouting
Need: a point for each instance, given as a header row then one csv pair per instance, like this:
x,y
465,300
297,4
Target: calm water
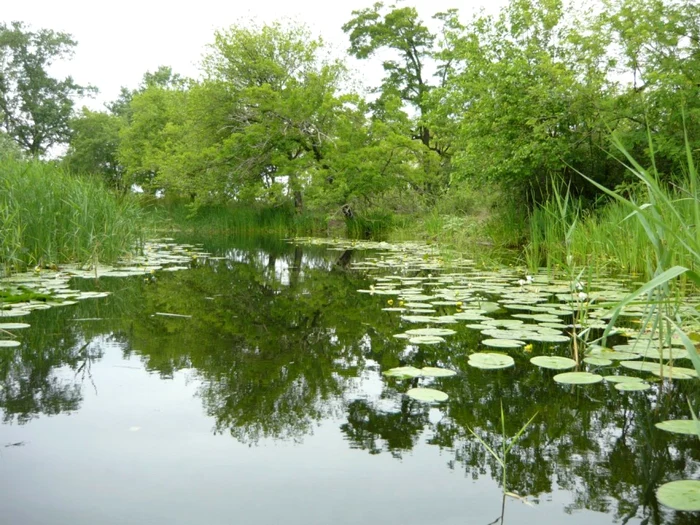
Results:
x,y
268,406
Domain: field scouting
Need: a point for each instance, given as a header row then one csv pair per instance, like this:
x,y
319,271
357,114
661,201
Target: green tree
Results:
x,y
93,147
35,108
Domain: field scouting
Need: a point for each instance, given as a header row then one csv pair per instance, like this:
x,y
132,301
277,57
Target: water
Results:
x,y
268,406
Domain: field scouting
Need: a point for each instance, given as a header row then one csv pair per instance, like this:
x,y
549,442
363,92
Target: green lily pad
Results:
x,y
428,395
632,386
680,426
431,371
8,343
597,361
680,495
623,379
549,338
431,331
13,326
553,362
403,372
490,361
503,343
426,340
578,378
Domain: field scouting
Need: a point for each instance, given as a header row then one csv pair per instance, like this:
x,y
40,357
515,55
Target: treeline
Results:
x,y
520,98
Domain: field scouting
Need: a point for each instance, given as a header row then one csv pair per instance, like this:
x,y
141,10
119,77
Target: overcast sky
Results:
x,y
119,41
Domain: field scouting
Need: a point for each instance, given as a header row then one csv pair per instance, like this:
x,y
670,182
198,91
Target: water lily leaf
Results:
x,y
431,331
549,338
403,372
503,343
13,326
553,362
490,361
425,340
428,395
680,495
578,378
431,371
630,386
623,379
8,343
597,361
680,426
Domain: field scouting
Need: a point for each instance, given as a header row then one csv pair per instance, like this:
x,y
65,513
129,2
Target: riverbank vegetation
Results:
x,y
475,128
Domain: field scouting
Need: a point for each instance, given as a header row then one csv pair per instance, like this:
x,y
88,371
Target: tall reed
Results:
x,y
48,216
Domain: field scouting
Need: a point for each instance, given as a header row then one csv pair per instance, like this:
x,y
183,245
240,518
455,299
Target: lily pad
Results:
x,y
431,371
680,495
428,395
13,326
623,379
426,340
632,386
503,343
8,343
680,426
431,331
553,362
403,372
597,361
490,361
578,378
549,338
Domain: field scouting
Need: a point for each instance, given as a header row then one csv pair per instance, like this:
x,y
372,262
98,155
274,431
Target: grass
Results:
x,y
49,216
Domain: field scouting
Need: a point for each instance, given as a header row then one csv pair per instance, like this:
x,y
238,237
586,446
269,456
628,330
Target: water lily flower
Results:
x,y
390,302
582,296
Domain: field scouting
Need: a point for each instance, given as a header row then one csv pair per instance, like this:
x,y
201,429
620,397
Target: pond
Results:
x,y
257,384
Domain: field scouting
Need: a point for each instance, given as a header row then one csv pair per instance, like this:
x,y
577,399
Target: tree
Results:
x,y
93,147
35,108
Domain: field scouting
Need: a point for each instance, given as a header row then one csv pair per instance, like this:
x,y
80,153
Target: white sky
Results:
x,y
119,41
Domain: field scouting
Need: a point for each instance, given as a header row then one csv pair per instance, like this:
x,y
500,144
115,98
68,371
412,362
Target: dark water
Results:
x,y
268,406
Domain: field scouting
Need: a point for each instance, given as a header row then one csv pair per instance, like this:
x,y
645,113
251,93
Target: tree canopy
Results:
x,y
35,108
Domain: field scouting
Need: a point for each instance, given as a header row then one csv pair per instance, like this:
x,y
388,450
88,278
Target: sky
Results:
x,y
119,41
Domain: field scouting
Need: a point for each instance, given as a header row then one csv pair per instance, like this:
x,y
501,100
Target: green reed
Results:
x,y
49,216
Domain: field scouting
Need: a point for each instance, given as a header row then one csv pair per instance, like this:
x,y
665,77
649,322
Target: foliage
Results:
x,y
48,216
35,107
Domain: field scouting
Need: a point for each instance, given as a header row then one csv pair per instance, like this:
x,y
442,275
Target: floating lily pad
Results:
x,y
8,343
429,395
430,371
549,338
426,340
503,343
597,361
578,378
630,386
553,362
680,426
431,331
13,326
680,495
489,361
403,372
623,379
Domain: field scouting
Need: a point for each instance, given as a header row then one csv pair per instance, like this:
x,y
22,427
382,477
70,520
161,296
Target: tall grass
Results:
x,y
48,216
242,219
612,238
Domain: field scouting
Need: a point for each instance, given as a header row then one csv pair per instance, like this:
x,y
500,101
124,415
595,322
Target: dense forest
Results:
x,y
498,108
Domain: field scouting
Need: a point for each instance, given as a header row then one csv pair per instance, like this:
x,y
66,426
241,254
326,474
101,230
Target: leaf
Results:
x,y
427,395
680,426
553,362
680,495
578,378
489,361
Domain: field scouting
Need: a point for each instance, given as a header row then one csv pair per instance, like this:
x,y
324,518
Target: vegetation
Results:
x,y
49,216
473,124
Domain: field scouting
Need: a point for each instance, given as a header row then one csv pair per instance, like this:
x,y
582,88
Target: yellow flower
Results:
x,y
528,348
390,302
458,304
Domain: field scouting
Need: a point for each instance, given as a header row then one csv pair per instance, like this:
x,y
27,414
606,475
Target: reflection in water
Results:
x,y
280,341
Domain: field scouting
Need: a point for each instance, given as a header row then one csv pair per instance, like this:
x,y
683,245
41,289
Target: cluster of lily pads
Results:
x,y
21,293
419,285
